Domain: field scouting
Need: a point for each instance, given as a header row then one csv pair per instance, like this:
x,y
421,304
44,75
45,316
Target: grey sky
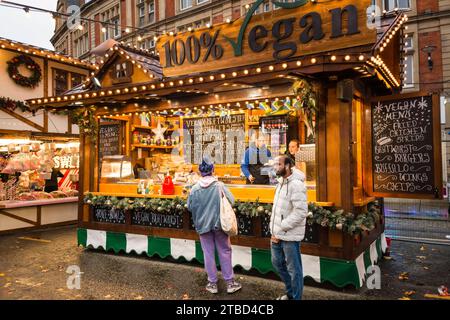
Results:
x,y
34,28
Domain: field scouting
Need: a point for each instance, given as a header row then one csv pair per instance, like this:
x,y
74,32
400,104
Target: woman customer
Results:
x,y
204,204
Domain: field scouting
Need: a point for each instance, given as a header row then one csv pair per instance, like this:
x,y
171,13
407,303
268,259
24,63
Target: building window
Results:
x,y
141,15
409,63
61,82
266,7
391,5
202,1
185,4
151,11
64,80
76,79
116,27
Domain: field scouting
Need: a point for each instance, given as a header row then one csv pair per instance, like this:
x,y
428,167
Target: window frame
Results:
x,y
151,12
186,8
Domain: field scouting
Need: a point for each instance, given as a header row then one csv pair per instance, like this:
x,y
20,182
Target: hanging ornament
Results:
x,y
265,107
288,103
250,106
276,105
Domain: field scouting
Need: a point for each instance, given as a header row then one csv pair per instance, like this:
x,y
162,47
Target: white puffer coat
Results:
x,y
290,209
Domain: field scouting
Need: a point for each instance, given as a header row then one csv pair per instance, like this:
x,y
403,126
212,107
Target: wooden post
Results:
x,y
321,146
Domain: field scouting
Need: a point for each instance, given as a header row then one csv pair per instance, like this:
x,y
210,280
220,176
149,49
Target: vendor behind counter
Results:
x,y
255,158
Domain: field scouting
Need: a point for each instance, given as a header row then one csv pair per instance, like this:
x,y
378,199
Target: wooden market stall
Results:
x,y
307,72
33,142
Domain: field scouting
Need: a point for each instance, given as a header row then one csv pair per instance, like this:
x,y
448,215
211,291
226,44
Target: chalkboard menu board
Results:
x,y
155,219
222,138
107,214
403,158
109,136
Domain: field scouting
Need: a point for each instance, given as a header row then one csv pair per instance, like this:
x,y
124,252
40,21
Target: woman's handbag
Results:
x,y
228,219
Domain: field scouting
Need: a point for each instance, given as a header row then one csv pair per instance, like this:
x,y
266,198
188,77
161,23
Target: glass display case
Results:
x,y
116,168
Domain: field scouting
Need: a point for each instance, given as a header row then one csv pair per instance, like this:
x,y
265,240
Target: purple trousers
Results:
x,y
220,240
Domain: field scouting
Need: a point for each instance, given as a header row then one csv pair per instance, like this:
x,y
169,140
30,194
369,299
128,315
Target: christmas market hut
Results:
x,y
38,148
308,72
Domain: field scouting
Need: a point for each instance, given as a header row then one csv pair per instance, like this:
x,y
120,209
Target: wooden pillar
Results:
x,y
46,93
338,135
321,145
87,178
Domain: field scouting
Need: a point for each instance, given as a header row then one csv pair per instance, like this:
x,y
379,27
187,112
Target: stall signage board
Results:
x,y
221,137
298,29
406,153
109,136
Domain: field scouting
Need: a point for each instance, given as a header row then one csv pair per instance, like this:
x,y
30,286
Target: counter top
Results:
x,y
35,203
134,195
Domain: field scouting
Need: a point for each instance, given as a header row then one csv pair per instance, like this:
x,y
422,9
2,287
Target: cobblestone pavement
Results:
x,y
33,266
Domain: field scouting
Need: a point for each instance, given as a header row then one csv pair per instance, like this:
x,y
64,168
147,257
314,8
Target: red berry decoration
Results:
x,y
13,71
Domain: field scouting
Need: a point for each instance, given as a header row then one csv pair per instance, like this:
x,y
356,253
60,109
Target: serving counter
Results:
x,y
27,215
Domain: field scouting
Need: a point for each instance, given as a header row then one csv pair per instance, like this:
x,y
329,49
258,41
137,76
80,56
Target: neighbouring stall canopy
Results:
x,y
347,46
43,53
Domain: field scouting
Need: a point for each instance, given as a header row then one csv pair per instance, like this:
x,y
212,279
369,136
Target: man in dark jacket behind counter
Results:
x,y
255,157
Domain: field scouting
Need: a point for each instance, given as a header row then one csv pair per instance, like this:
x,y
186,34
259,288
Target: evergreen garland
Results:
x,y
336,219
86,120
12,105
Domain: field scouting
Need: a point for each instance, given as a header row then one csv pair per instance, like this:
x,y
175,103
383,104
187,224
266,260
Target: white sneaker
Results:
x,y
212,288
283,297
233,286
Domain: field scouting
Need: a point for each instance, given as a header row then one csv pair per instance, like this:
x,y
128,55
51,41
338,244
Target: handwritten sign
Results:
x,y
222,138
156,219
109,215
403,147
109,136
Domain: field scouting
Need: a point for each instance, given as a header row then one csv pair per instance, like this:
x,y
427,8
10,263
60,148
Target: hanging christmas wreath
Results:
x,y
13,71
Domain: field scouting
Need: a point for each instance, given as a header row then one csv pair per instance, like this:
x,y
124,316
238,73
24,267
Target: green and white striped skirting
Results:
x,y
338,272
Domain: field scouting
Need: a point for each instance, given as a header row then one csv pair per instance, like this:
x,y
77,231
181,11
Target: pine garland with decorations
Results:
x,y
86,121
164,206
306,102
336,219
12,105
13,71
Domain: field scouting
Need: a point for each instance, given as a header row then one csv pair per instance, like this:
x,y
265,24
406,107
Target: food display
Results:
x,y
27,168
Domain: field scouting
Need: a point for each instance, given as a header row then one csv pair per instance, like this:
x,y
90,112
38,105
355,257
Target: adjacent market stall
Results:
x,y
307,72
39,181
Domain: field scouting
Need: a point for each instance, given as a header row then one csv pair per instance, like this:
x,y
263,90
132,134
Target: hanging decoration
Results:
x,y
12,105
306,103
86,120
13,71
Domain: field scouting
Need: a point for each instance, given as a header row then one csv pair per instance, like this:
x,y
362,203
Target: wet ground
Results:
x,y
33,266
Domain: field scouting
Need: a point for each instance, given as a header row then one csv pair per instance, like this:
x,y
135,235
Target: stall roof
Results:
x,y
380,60
21,47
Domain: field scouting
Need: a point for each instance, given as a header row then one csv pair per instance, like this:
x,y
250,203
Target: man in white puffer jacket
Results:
x,y
287,226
